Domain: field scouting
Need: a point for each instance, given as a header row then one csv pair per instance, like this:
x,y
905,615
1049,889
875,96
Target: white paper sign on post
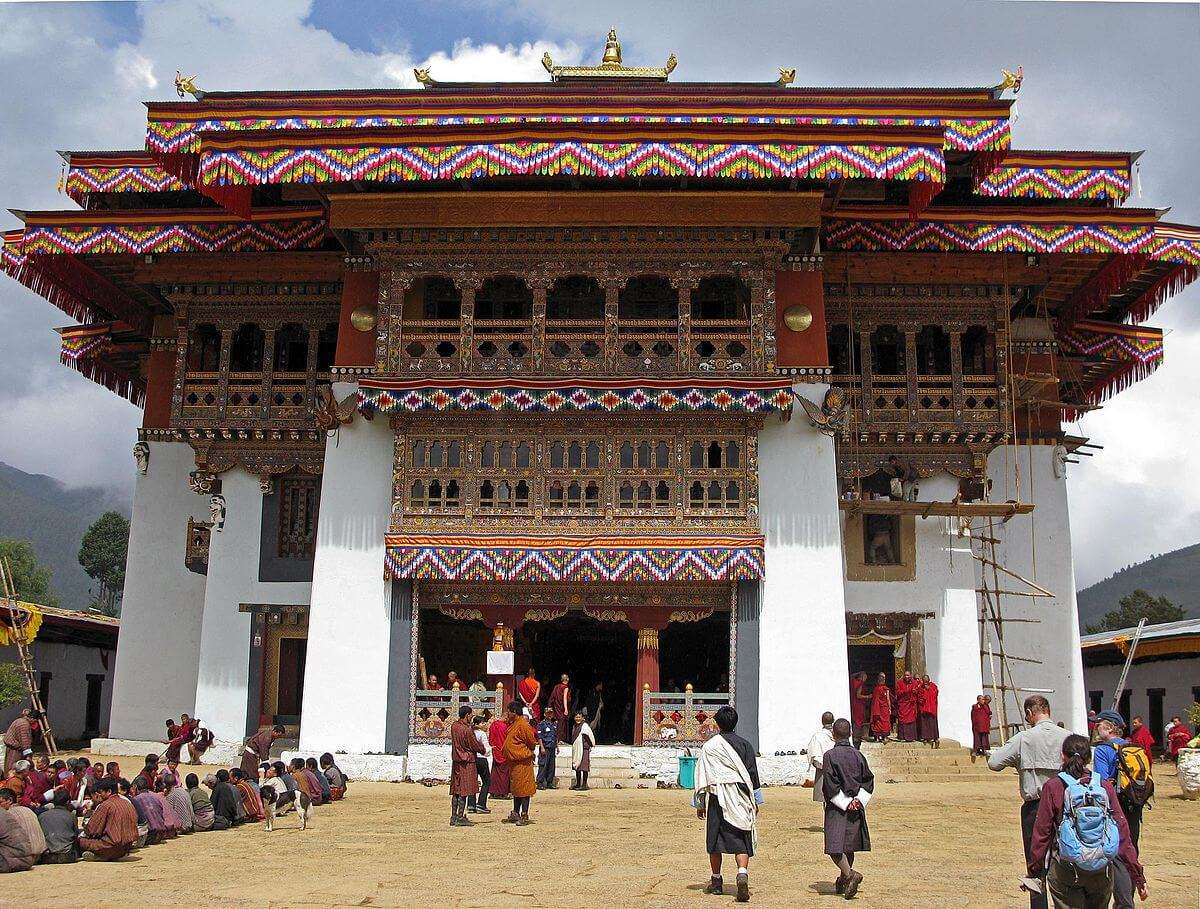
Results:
x,y
499,662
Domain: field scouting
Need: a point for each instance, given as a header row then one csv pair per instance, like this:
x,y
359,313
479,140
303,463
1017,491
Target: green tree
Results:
x,y
102,555
12,685
31,579
1133,607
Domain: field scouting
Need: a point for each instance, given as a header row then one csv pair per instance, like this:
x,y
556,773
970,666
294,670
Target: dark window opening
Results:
x,y
648,297
881,539
204,349
887,351
503,298
721,297
845,359
933,351
291,348
1096,700
44,679
91,710
440,299
977,354
327,347
246,349
577,297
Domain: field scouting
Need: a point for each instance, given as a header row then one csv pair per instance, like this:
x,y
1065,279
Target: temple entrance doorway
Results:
x,y
591,652
873,659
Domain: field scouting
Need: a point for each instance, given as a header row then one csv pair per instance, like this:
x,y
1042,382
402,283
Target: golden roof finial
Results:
x,y
422,76
1011,80
186,85
786,76
612,50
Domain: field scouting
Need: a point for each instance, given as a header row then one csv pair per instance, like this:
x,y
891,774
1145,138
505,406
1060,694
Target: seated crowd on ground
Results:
x,y
55,812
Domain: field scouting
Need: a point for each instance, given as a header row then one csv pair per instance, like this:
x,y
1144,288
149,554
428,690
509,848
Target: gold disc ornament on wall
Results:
x,y
363,318
798,317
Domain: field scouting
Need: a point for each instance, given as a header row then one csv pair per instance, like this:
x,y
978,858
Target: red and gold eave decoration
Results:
x,y
800,352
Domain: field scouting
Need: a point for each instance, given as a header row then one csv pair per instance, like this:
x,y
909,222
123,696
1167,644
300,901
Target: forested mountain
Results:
x,y
1173,575
53,518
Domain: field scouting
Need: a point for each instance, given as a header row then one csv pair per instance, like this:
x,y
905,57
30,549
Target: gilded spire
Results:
x,y
612,50
611,66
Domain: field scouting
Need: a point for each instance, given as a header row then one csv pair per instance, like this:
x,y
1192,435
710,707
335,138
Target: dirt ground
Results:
x,y
391,845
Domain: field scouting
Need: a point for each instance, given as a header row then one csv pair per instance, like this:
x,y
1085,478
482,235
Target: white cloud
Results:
x,y
134,70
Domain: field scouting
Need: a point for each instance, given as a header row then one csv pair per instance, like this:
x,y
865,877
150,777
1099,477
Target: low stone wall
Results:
x,y
226,753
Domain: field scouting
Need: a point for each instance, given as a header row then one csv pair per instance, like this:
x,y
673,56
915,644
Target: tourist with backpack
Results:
x,y
1080,835
1127,766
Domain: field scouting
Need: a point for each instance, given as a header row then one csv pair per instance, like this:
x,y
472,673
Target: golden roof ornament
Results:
x,y
786,76
610,66
186,85
1011,80
422,76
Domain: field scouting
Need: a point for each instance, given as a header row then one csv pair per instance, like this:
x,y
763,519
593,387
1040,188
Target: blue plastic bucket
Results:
x,y
687,771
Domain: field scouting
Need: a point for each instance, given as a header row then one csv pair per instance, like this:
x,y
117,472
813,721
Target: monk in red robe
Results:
x,y
497,732
1178,735
859,706
560,700
1140,735
530,691
928,722
981,727
908,694
881,710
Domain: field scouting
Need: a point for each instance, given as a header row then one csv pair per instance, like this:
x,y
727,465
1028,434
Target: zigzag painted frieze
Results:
x,y
1056,183
177,136
559,396
414,162
131,178
580,560
108,233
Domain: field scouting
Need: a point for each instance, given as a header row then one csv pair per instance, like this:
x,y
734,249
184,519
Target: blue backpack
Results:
x,y
1088,837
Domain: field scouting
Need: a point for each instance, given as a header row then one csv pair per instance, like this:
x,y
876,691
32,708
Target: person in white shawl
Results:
x,y
581,750
727,795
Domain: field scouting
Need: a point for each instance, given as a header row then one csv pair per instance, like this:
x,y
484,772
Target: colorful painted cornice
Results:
x,y
89,350
1126,231
1131,353
116,172
577,559
155,231
560,396
173,129
1060,175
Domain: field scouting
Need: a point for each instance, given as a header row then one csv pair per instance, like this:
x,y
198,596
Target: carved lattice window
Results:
x,y
299,498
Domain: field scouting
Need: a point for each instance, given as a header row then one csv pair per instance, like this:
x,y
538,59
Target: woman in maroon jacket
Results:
x,y
1070,886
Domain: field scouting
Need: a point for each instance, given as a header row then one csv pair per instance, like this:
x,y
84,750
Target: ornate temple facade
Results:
x,y
704,392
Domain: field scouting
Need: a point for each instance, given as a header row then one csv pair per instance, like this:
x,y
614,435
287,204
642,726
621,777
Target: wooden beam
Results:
x,y
938,509
580,208
278,267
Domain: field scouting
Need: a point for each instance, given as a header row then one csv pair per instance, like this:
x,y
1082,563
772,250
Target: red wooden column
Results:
x,y
647,674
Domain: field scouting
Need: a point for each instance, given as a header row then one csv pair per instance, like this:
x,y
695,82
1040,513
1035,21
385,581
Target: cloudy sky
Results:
x,y
1098,76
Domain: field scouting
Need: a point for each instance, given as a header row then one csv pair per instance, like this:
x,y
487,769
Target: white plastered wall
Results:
x,y
1038,546
233,564
158,654
349,628
1177,677
944,585
802,626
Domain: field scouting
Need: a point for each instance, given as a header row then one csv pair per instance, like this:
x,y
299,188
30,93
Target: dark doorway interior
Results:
x,y
873,659
588,651
696,652
1154,720
292,653
91,710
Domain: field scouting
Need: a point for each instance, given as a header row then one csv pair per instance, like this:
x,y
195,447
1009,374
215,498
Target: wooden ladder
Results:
x,y
8,594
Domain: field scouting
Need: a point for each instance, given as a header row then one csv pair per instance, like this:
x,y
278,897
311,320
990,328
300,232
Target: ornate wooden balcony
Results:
x,y
926,405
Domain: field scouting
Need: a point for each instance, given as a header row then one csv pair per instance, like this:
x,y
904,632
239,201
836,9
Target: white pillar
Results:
x,y
349,628
802,627
158,653
222,695
1038,546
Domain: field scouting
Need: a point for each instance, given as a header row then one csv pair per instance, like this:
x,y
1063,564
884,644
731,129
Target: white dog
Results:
x,y
277,801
